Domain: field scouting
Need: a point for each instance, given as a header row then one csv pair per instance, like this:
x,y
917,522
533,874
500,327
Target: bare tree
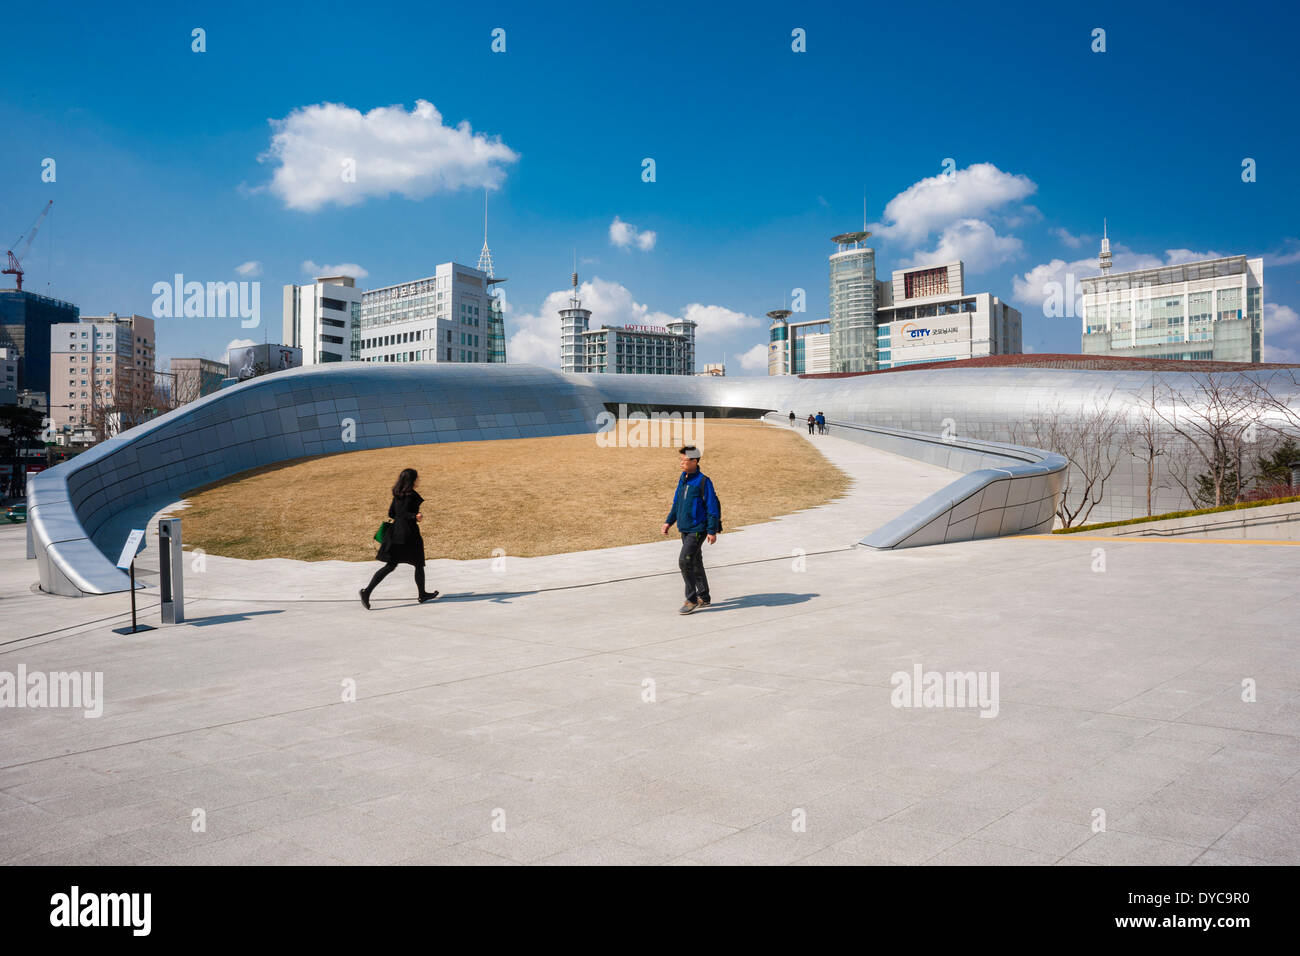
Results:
x,y
144,394
1146,438
1090,438
1218,417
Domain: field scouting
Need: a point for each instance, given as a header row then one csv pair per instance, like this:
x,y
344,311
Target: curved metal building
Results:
x,y
80,511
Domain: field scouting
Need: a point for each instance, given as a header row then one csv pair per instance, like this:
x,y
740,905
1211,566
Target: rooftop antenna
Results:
x,y
485,256
1104,259
573,299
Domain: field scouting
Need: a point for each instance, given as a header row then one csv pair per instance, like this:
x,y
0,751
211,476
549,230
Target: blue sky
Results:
x,y
166,161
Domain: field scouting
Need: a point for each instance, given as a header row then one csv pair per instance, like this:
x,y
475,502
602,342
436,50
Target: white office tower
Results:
x,y
323,319
573,324
778,342
680,354
1211,309
445,317
932,318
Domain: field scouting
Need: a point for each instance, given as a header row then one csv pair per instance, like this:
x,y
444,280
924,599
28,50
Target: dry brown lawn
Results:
x,y
529,496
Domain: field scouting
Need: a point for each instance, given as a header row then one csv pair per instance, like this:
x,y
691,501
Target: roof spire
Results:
x,y
485,254
1104,259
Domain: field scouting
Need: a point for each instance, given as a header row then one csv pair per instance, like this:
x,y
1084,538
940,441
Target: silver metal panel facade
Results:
x,y
81,510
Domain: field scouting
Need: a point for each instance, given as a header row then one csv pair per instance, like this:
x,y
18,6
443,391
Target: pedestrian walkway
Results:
x,y
592,723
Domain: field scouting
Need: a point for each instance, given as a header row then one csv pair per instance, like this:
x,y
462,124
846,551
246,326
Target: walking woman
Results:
x,y
402,543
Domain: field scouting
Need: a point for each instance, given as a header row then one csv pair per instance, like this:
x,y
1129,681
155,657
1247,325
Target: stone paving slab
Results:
x,y
592,724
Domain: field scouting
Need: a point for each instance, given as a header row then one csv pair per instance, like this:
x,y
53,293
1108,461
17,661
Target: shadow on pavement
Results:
x,y
497,597
758,600
225,618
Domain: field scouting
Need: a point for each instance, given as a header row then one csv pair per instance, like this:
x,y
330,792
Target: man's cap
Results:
x,y
692,453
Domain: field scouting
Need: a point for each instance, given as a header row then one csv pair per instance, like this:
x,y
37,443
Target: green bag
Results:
x,y
383,531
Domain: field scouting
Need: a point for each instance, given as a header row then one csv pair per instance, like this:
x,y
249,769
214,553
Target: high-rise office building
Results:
x,y
624,349
798,348
102,373
445,317
926,315
25,322
778,342
1209,309
323,319
853,303
574,322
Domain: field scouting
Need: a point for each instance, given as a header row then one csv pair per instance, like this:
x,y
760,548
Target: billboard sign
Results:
x,y
935,331
251,360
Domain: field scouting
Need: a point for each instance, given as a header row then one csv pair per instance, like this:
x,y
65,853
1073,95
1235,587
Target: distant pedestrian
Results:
x,y
792,419
402,543
698,515
812,423
821,424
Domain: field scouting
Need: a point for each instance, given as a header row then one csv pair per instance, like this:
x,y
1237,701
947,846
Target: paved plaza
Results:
x,y
559,710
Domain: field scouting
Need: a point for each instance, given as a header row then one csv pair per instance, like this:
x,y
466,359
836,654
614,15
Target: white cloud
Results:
x,y
1279,318
1031,288
1281,322
1175,257
251,268
536,335
931,204
974,242
239,344
754,359
315,269
716,320
625,236
331,153
1074,242
1291,255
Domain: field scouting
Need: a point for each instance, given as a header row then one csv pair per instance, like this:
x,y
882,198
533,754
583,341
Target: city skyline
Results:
x,y
219,170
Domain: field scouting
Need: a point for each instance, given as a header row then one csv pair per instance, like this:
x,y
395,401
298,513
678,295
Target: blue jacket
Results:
x,y
695,506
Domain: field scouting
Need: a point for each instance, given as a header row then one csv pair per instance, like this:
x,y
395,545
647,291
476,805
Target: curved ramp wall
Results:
x,y
1007,489
81,510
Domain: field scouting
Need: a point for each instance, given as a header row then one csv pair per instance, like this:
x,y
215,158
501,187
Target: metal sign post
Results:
x,y
171,569
134,545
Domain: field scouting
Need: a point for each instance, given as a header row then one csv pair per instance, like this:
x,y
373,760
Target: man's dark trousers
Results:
x,y
691,561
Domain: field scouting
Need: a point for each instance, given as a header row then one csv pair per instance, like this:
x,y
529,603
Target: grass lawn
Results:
x,y
529,496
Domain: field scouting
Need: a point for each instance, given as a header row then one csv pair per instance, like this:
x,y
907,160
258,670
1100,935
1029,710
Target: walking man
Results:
x,y
792,419
698,515
821,424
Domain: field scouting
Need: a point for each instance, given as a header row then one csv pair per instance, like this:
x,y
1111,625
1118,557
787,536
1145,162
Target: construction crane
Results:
x,y
15,259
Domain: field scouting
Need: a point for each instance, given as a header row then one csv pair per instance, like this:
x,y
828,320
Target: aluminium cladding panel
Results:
x,y
83,502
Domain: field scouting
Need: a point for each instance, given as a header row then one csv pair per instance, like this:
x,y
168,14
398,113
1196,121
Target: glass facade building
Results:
x,y
853,304
25,322
1210,309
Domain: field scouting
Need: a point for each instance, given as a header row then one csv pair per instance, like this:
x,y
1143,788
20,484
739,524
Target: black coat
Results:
x,y
403,542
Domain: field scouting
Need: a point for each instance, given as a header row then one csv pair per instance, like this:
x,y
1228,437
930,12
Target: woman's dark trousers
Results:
x,y
388,569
